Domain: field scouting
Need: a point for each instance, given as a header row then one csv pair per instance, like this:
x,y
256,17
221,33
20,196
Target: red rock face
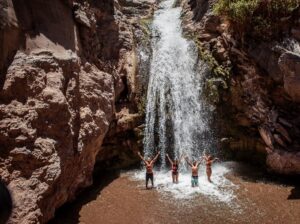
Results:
x,y
259,111
62,64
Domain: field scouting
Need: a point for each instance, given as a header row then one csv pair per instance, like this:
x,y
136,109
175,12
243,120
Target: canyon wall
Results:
x,y
254,85
72,79
69,80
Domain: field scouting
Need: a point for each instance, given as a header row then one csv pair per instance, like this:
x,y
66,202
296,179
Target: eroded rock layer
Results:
x,y
254,85
67,68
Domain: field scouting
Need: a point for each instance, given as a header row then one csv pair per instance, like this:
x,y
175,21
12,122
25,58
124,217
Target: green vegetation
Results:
x,y
219,78
262,19
141,104
145,27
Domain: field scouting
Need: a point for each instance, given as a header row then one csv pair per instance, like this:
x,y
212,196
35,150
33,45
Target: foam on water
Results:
x,y
221,189
177,114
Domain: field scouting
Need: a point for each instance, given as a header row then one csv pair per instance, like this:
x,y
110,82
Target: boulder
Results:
x,y
289,63
284,162
68,63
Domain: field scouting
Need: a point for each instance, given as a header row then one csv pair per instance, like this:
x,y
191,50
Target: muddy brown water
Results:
x,y
115,198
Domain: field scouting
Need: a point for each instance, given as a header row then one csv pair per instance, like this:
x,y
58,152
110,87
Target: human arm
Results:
x,y
201,159
142,158
188,162
181,158
155,158
167,155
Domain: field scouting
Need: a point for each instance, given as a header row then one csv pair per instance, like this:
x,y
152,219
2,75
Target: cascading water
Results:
x,y
177,118
291,45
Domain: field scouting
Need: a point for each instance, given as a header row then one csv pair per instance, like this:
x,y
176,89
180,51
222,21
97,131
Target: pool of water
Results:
x,y
221,189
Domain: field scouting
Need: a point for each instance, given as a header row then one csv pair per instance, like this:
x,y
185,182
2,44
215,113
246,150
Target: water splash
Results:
x,y
176,117
220,190
291,45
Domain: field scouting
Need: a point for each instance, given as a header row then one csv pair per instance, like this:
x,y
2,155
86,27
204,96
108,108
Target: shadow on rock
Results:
x,y
295,193
254,174
70,212
5,204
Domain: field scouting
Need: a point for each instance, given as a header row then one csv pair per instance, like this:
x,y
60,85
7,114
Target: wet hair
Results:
x,y
194,163
5,203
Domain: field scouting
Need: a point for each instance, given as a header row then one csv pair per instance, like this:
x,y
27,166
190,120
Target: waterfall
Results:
x,y
291,45
177,117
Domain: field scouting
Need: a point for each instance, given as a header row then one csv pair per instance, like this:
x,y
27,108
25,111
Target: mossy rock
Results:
x,y
145,27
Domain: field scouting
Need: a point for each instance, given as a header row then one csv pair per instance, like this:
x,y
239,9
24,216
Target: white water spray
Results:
x,y
292,45
177,118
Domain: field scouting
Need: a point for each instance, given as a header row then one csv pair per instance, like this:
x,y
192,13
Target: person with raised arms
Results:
x,y
175,167
195,167
209,161
149,168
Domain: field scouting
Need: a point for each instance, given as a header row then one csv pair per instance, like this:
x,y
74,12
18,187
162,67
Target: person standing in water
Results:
x,y
209,161
149,168
195,167
174,165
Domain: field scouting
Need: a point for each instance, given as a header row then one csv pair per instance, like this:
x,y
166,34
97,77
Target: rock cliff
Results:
x,y
68,79
254,85
72,78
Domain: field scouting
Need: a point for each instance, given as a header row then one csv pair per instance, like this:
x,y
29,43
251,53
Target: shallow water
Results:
x,y
220,190
256,197
177,115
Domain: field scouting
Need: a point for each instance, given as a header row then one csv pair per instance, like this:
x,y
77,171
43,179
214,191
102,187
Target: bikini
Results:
x,y
175,169
208,165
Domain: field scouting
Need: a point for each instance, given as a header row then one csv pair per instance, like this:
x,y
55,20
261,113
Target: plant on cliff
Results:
x,y
219,78
261,19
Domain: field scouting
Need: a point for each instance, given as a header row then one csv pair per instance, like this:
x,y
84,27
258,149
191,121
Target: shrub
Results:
x,y
260,18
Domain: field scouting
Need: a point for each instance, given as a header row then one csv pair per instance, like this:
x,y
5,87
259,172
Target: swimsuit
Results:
x,y
194,181
175,169
149,176
149,168
149,173
208,166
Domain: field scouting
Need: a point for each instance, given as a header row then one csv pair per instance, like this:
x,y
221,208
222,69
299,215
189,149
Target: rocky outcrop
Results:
x,y
259,110
289,63
66,66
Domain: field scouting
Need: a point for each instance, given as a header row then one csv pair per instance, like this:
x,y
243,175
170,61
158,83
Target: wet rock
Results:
x,y
290,66
266,135
296,33
283,132
267,58
283,162
211,23
263,83
279,140
285,122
